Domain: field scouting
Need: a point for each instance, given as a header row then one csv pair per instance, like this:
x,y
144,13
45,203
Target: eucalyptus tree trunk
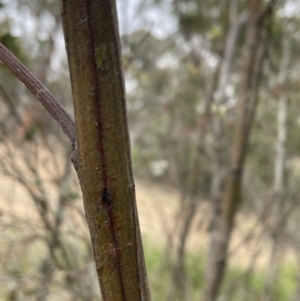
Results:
x,y
187,211
188,208
279,172
219,100
219,165
102,154
247,100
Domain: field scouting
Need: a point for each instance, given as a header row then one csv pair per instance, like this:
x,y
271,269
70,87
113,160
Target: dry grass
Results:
x,y
157,207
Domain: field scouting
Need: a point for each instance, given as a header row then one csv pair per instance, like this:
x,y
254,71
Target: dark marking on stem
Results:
x,y
74,156
132,189
236,172
106,197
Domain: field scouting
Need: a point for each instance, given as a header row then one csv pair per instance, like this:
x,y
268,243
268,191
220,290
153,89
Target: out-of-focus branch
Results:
x,y
47,99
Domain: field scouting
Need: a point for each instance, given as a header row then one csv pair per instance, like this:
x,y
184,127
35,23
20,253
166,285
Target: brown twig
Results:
x,y
47,99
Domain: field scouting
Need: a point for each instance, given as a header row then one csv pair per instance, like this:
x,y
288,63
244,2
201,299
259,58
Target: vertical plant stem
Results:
x,y
104,162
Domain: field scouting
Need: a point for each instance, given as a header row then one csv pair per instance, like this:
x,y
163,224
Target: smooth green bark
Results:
x,y
104,164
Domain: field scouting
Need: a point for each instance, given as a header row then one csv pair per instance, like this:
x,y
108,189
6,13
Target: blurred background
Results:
x,y
187,67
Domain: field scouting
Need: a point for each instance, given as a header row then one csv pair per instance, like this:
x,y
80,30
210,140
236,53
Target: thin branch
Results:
x,y
47,99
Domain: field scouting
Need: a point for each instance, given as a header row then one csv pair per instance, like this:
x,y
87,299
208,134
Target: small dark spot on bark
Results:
x,y
132,189
106,197
236,172
74,156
